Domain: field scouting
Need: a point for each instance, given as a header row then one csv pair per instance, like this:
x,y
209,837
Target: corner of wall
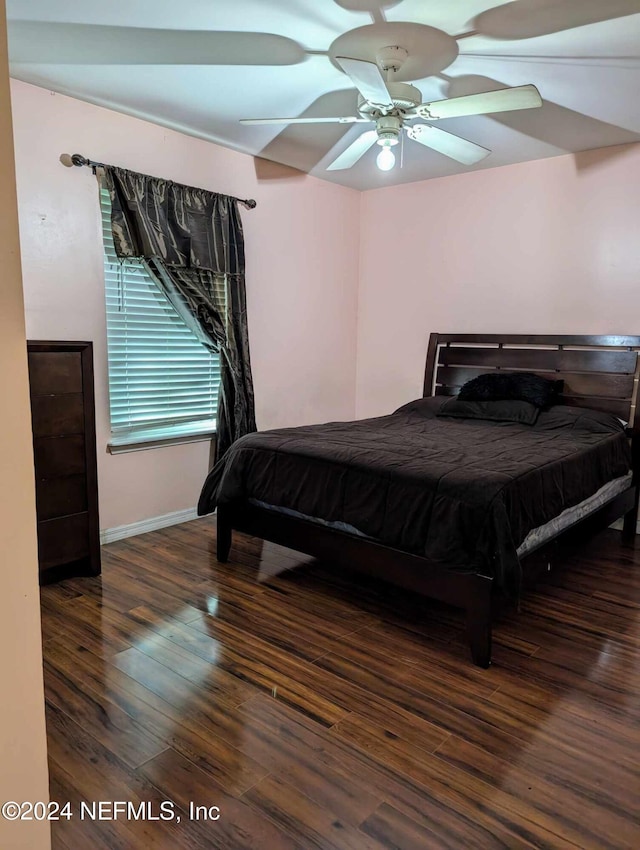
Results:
x,y
23,746
356,392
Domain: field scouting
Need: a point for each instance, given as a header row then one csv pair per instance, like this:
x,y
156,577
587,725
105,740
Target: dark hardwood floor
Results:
x,y
316,711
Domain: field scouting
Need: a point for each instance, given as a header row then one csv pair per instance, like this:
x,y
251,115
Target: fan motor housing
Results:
x,y
388,129
403,95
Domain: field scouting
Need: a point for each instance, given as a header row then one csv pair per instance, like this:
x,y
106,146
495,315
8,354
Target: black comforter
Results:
x,y
463,493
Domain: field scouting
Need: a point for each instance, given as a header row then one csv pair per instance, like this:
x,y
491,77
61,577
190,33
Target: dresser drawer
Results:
x,y
58,497
56,456
55,415
63,540
55,372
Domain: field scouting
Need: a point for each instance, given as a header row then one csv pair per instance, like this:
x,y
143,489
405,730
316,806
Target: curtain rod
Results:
x,y
79,160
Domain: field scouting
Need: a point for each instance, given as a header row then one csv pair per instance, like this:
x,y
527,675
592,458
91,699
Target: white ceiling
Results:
x,y
200,65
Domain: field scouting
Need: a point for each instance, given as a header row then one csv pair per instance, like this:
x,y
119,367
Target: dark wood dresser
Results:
x,y
64,445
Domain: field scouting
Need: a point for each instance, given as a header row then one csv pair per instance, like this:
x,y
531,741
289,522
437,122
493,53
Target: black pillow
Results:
x,y
506,410
520,386
562,417
427,407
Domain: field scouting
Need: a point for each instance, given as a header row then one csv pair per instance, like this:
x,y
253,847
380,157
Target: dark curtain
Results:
x,y
193,246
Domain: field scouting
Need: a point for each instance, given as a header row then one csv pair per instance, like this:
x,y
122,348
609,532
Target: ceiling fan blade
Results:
x,y
348,119
502,100
368,79
468,153
531,18
355,150
50,42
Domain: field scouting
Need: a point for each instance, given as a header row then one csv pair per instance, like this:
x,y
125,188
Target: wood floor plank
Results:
x,y
448,718
427,771
202,585
578,722
325,710
116,590
67,834
286,751
66,619
446,826
87,619
439,680
217,683
238,827
313,825
256,662
399,775
541,777
120,733
82,770
286,590
197,718
394,731
612,614
403,644
147,637
308,637
483,721
585,619
293,678
321,623
386,602
168,684
393,829
186,719
611,679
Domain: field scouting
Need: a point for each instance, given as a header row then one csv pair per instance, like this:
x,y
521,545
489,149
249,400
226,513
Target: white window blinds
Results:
x,y
162,381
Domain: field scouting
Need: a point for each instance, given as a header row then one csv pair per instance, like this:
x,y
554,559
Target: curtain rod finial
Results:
x,y
73,159
77,159
250,203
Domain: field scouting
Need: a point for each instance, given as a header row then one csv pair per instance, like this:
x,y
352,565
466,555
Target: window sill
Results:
x,y
151,439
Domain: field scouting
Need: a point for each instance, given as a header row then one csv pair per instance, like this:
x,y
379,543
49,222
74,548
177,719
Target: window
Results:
x,y
163,383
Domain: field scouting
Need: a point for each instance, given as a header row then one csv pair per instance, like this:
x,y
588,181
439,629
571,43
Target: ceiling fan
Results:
x,y
390,105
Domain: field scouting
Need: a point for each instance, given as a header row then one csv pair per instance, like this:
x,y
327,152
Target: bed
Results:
x,y
459,511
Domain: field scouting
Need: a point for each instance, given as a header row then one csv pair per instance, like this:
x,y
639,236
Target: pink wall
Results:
x,y
302,273
546,246
551,246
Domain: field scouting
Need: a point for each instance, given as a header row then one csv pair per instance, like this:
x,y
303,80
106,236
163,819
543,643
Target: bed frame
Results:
x,y
600,372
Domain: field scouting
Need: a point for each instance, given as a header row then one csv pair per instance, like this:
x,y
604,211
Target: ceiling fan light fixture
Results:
x,y
388,128
387,140
391,105
386,159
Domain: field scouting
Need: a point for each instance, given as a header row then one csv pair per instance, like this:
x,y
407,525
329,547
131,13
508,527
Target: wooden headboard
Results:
x,y
600,372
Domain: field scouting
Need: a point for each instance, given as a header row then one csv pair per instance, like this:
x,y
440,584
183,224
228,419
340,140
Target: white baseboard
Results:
x,y
110,535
